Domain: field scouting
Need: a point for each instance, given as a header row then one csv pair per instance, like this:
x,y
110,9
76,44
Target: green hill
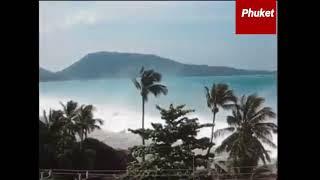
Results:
x,y
115,64
45,75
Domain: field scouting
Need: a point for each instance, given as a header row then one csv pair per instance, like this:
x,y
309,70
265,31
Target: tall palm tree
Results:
x,y
57,137
218,96
70,113
85,122
50,119
148,82
50,134
250,129
53,123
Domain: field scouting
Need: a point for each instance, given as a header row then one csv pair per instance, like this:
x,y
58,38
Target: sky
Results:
x,y
189,32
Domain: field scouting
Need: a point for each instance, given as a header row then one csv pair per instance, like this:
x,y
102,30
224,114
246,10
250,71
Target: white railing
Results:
x,y
46,174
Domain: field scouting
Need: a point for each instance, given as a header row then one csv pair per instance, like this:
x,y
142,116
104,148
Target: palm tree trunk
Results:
x,y
143,143
212,131
81,139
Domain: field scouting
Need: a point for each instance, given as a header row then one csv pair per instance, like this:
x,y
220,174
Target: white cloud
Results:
x,y
191,32
56,16
64,15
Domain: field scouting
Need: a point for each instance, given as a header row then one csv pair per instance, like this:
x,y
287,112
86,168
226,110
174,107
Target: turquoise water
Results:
x,y
118,103
117,100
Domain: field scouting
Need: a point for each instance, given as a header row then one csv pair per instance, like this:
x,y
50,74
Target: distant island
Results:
x,y
115,65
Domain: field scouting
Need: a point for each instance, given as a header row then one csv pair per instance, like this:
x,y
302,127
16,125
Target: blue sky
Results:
x,y
188,32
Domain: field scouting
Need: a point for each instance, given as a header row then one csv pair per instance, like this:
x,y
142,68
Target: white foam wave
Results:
x,y
117,119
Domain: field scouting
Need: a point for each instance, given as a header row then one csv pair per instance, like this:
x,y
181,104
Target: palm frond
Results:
x,y
232,120
156,77
222,132
100,121
254,102
260,151
92,127
136,84
149,77
208,96
268,126
228,106
157,89
228,142
45,118
262,131
64,108
262,115
227,97
141,70
267,141
220,95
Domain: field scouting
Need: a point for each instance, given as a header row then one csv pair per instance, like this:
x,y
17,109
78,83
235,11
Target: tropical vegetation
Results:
x,y
251,128
218,96
173,147
148,81
64,141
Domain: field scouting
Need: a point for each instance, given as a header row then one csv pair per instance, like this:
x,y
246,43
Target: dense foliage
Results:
x,y
60,149
172,147
250,130
148,82
218,96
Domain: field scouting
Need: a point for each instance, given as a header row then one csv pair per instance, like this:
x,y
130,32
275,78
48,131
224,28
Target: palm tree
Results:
x,y
250,128
70,112
53,123
57,140
218,96
50,119
52,129
68,127
148,82
85,122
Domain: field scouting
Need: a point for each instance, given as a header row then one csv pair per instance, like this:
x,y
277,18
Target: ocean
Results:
x,y
118,102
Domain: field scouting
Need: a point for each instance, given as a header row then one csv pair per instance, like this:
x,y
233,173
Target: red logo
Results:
x,y
256,17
